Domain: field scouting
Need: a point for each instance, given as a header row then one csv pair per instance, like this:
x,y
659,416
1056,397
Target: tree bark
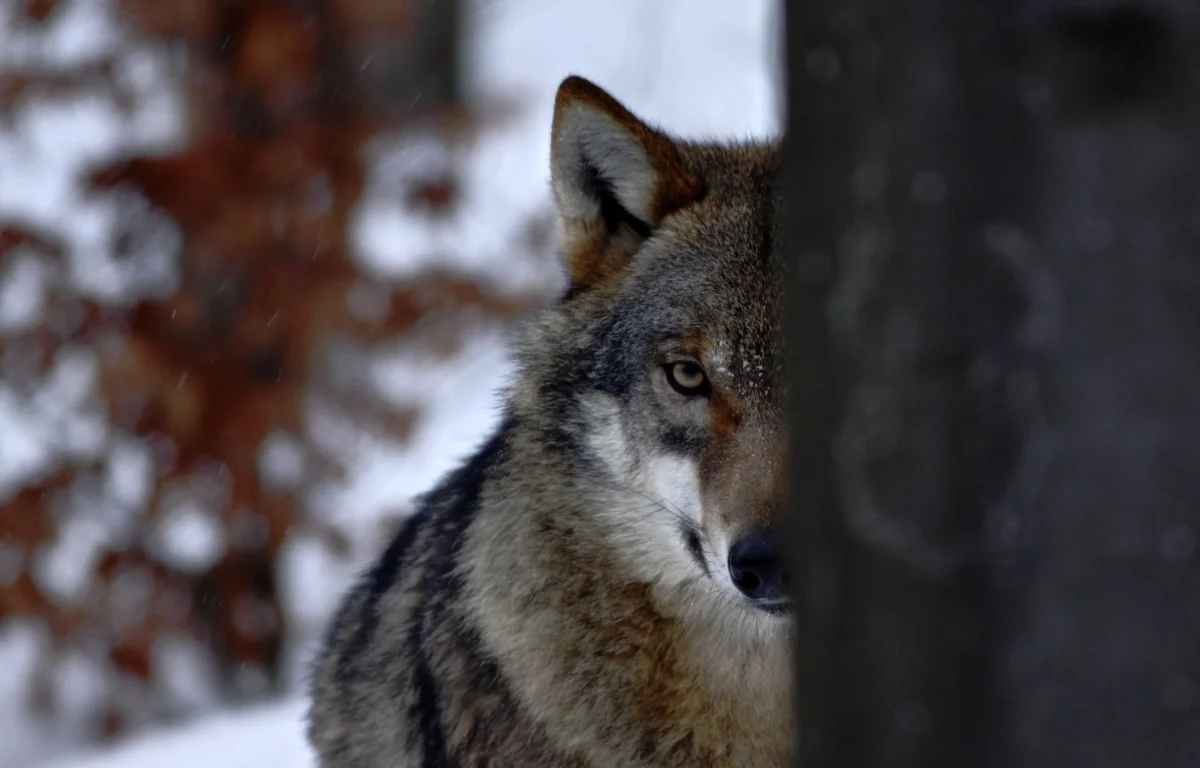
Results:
x,y
994,223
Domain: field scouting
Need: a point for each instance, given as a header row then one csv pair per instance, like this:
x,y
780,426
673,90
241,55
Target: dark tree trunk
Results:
x,y
994,217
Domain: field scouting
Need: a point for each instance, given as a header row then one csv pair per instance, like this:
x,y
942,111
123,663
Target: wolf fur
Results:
x,y
564,597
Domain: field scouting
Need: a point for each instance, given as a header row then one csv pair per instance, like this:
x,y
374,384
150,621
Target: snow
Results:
x,y
130,472
701,68
63,568
452,424
22,292
250,738
281,462
51,422
22,454
184,667
81,33
20,644
188,536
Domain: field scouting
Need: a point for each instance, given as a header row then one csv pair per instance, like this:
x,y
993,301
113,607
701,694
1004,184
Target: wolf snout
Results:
x,y
759,570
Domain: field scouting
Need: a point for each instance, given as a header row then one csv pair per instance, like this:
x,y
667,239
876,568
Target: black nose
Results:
x,y
758,569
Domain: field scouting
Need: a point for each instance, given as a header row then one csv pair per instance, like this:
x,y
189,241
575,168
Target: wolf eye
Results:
x,y
687,378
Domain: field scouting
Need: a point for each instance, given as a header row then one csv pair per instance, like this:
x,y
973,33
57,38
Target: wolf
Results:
x,y
601,584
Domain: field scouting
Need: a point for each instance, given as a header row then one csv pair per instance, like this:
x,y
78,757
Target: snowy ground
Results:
x,y
252,738
698,67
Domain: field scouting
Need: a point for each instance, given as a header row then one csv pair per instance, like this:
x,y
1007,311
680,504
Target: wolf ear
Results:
x,y
615,179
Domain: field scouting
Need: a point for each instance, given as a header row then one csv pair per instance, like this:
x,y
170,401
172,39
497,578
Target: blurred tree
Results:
x,y
206,368
995,325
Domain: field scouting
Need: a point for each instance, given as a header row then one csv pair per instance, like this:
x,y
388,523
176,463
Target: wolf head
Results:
x,y
659,375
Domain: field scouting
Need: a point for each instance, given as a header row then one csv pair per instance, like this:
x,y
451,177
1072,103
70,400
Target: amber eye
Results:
x,y
687,378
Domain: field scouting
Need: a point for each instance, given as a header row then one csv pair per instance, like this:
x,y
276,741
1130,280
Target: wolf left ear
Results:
x,y
615,179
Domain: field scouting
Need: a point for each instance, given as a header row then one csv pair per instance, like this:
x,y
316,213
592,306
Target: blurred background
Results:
x,y
259,260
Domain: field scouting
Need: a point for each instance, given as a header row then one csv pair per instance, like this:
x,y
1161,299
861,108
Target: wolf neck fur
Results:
x,y
659,653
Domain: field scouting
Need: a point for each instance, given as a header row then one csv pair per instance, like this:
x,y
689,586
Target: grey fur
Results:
x,y
561,599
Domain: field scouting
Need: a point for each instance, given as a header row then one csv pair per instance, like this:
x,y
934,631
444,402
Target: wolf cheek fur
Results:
x,y
599,585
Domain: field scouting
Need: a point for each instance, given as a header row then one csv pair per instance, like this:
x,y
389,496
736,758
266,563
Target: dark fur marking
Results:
x,y
608,368
767,247
611,380
614,215
694,548
602,370
682,440
440,585
375,583
429,729
571,291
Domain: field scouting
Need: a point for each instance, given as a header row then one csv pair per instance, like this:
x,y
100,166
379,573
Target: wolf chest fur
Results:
x,y
599,585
